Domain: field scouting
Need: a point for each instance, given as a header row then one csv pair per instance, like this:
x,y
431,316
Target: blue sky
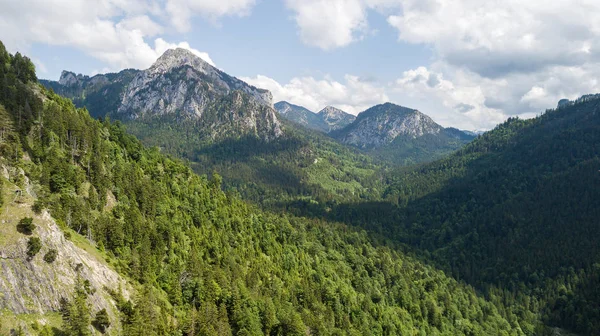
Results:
x,y
466,63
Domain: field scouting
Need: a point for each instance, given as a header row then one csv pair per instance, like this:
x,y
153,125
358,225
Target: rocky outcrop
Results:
x,y
69,79
181,87
34,286
182,82
335,118
382,124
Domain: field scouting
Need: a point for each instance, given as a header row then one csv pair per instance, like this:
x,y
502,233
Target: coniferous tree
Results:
x,y
76,312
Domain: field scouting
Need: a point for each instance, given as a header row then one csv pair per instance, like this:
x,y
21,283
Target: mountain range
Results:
x,y
106,236
103,234
195,111
327,120
179,85
182,88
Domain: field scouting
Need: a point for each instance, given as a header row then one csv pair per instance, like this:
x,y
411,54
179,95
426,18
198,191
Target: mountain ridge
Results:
x,y
181,86
335,118
327,120
207,263
400,134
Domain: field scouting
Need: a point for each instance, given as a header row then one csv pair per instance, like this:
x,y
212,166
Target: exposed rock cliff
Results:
x,y
180,81
335,118
179,86
34,286
382,124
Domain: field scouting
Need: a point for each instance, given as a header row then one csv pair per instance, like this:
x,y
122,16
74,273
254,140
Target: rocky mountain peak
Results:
x,y
284,107
180,81
383,123
331,112
179,86
335,118
68,78
174,58
327,120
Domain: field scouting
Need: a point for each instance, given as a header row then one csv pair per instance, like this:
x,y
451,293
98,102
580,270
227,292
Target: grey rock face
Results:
x,y
182,86
181,81
327,120
382,124
31,285
69,79
335,118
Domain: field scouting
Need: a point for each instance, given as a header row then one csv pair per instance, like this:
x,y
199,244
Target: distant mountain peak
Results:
x,y
284,107
401,134
327,120
180,86
68,78
336,118
180,81
382,124
332,111
174,58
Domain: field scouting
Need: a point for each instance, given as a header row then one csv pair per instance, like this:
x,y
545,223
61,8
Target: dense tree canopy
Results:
x,y
511,220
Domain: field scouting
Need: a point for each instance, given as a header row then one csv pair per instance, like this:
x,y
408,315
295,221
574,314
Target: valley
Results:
x,y
210,210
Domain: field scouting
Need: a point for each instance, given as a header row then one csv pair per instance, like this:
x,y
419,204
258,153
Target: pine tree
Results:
x,y
76,313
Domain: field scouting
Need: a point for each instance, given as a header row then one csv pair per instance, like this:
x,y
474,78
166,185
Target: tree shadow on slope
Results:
x,y
517,211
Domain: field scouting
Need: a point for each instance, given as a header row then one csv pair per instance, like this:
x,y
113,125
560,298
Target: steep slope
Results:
x,y
400,134
517,208
301,164
211,264
101,94
335,118
327,120
181,87
34,286
300,115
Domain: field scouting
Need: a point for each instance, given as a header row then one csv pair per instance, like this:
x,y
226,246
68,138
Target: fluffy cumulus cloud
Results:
x,y
504,58
493,59
329,24
181,11
460,103
494,38
353,95
113,31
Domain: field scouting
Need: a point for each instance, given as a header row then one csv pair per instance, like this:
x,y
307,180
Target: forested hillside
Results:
x,y
517,209
217,122
301,165
401,135
207,263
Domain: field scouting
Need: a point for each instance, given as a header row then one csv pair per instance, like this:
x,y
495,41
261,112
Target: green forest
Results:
x,y
303,165
496,239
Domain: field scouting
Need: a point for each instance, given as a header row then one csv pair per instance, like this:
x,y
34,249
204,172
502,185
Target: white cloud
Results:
x,y
113,31
161,46
181,11
142,23
493,38
503,58
330,24
461,104
352,96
